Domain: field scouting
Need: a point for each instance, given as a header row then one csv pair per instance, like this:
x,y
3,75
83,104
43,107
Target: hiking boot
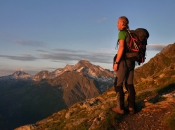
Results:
x,y
131,110
117,110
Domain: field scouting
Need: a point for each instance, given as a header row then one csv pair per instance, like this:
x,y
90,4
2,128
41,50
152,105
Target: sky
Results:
x,y
38,35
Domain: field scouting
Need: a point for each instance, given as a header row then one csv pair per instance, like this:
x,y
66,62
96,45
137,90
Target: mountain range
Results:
x,y
26,98
73,94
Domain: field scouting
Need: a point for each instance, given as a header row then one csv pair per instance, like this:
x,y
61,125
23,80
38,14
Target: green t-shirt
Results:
x,y
122,35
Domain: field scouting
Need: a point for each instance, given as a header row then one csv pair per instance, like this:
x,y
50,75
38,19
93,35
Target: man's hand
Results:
x,y
115,67
119,54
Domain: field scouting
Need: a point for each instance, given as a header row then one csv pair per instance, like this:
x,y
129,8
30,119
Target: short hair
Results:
x,y
125,21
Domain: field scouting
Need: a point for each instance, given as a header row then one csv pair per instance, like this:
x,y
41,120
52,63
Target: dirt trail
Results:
x,y
151,117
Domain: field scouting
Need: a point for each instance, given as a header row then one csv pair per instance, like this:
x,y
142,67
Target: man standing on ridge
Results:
x,y
124,69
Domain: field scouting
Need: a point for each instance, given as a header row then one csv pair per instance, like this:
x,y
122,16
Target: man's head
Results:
x,y
122,23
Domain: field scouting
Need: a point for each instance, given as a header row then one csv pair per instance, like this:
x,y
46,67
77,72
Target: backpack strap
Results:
x,y
132,41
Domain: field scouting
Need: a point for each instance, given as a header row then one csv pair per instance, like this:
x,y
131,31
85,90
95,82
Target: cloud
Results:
x,y
20,58
101,20
43,51
67,56
156,47
30,43
69,50
99,56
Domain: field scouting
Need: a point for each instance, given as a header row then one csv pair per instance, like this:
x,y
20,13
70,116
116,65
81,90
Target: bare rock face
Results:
x,y
76,87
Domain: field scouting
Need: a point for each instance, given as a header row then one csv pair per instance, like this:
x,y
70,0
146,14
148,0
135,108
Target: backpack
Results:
x,y
136,42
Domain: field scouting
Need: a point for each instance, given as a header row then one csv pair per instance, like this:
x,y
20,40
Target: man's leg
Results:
x,y
131,98
131,91
118,84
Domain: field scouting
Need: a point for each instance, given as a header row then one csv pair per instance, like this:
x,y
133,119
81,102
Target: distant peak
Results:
x,y
19,73
68,67
44,71
84,63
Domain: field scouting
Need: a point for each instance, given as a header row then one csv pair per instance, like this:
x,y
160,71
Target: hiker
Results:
x,y
124,69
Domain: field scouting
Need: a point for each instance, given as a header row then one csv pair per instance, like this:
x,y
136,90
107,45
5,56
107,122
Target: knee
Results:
x,y
131,88
118,89
118,82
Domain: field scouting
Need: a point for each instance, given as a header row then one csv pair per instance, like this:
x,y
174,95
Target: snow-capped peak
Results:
x,y
21,75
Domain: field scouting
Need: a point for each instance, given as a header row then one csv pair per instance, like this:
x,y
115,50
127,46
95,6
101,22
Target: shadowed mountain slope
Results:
x,y
76,87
